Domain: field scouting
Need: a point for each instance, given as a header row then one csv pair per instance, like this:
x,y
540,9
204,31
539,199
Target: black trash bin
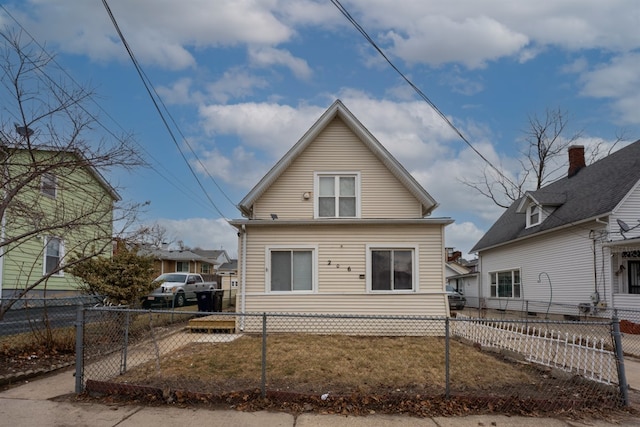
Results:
x,y
218,295
205,300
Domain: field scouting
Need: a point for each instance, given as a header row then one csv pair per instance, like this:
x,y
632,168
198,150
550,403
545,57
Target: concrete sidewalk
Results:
x,y
34,403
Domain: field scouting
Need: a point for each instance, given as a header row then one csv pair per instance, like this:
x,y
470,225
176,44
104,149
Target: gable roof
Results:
x,y
93,171
592,192
337,109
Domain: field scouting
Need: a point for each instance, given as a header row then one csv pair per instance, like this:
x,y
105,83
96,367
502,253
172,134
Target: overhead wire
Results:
x,y
162,174
420,93
148,85
435,108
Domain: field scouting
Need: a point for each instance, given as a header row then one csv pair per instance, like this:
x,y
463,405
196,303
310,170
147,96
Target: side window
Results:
x,y
505,284
53,253
48,185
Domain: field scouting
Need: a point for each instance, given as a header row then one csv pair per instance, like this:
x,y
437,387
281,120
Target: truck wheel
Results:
x,y
179,300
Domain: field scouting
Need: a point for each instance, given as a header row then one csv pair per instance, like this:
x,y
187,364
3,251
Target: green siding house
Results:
x,y
54,205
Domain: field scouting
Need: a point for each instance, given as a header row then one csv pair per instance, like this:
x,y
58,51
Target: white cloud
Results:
x,y
618,80
472,41
268,127
235,84
204,233
463,236
159,31
268,56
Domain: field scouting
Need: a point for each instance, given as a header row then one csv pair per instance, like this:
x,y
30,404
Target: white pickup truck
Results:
x,y
175,289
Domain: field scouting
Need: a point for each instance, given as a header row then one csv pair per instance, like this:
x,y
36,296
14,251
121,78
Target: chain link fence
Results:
x,y
37,335
352,364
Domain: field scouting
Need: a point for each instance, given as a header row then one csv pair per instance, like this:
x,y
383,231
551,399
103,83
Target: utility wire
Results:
x,y
424,97
421,94
195,197
155,103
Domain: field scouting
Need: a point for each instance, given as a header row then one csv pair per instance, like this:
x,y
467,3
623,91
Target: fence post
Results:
x,y
79,349
622,376
446,357
263,381
125,345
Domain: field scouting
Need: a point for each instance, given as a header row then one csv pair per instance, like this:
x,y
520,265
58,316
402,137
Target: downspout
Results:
x,y
244,275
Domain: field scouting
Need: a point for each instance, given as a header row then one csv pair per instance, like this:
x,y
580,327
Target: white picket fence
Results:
x,y
578,354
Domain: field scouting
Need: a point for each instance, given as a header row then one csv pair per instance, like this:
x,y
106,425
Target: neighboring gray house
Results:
x,y
574,241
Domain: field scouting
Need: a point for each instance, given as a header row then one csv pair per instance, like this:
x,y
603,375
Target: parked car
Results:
x,y
176,289
456,300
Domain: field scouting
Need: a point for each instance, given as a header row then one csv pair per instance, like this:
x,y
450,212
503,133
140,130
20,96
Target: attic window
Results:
x,y
534,215
337,195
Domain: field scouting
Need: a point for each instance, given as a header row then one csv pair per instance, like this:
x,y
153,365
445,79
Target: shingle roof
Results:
x,y
594,191
229,266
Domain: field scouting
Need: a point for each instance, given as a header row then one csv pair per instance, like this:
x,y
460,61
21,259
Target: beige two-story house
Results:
x,y
339,226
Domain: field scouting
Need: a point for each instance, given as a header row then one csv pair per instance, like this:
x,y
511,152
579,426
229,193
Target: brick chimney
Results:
x,y
576,159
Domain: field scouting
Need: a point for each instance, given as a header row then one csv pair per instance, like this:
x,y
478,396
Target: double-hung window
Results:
x,y
48,185
53,253
337,195
505,284
291,270
182,266
392,268
534,215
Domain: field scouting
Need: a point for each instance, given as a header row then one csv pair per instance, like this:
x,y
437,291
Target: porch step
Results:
x,y
213,323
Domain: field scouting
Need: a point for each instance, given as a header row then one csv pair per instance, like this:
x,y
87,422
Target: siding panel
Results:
x,y
341,290
337,149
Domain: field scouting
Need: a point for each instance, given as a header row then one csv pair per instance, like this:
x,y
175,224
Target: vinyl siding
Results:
x,y
566,256
337,149
340,290
79,194
629,212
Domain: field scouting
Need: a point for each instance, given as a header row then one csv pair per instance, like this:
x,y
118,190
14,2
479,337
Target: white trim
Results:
x,y
415,276
295,247
336,174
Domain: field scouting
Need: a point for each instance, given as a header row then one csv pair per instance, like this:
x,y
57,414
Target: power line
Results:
x,y
421,94
147,84
172,182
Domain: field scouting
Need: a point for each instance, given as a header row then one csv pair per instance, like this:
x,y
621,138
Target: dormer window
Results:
x,y
534,215
337,195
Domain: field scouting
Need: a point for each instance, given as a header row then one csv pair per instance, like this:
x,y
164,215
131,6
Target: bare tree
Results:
x,y
53,191
543,159
155,236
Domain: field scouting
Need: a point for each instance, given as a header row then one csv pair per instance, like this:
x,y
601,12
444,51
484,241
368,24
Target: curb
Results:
x,y
31,373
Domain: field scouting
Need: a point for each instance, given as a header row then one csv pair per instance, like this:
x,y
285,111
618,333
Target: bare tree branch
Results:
x,y
47,134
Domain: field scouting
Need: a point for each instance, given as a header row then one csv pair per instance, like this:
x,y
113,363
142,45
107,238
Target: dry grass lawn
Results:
x,y
329,363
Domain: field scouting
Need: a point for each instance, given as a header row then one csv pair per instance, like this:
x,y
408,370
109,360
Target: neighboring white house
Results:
x,y
462,275
575,241
339,226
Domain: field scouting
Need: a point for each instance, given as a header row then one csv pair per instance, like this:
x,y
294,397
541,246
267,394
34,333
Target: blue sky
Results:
x,y
245,79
